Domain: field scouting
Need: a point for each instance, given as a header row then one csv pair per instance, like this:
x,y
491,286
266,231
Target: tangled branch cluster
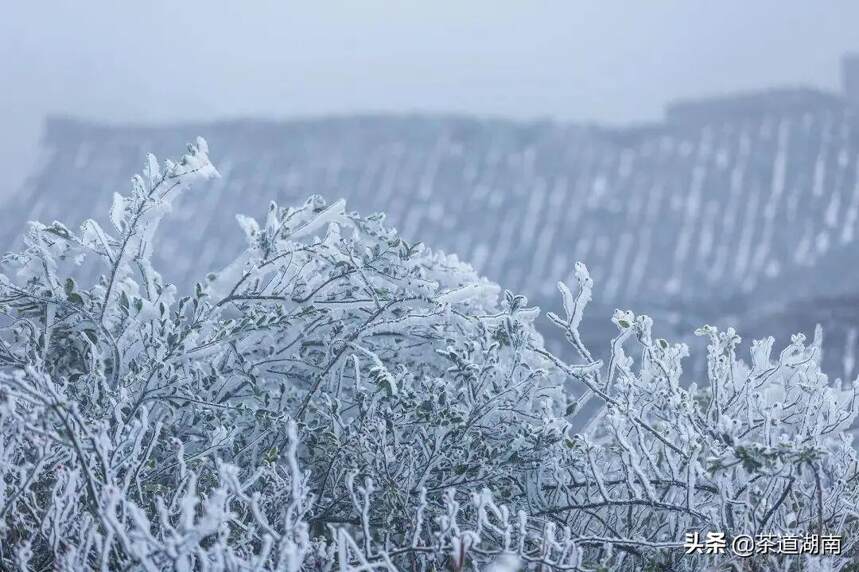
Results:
x,y
337,398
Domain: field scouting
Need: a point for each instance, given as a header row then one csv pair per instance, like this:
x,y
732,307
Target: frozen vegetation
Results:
x,y
337,398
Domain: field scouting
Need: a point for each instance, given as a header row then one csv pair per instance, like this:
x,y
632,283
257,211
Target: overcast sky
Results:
x,y
606,61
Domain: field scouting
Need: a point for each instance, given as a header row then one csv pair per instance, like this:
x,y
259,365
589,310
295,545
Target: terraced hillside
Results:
x,y
751,219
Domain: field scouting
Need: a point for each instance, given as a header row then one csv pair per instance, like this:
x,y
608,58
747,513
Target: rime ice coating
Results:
x,y
337,396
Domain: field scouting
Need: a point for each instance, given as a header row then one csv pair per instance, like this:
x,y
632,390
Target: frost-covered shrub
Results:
x,y
338,397
761,449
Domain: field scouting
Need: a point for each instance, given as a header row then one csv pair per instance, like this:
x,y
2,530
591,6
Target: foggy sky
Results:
x,y
605,61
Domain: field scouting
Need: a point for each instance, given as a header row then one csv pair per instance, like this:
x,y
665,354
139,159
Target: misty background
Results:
x,y
609,62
